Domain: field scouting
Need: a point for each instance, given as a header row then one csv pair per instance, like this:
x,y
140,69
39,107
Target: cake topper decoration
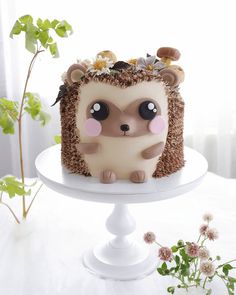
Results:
x,y
150,63
106,63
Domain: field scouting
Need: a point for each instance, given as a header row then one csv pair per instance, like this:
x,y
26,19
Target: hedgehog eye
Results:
x,y
99,111
147,110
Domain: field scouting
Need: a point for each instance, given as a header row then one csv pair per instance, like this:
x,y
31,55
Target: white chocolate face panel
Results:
x,y
112,111
124,122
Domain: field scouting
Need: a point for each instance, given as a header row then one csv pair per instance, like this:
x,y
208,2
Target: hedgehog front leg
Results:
x,y
153,151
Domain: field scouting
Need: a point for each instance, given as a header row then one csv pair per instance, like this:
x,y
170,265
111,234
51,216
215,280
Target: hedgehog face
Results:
x,y
116,112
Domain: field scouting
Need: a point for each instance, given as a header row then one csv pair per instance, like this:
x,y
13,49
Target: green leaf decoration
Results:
x,y
161,271
8,115
57,139
13,187
30,44
44,118
33,104
54,23
37,35
43,38
54,50
61,31
26,19
16,30
44,25
171,290
231,279
226,268
164,266
67,26
33,107
177,259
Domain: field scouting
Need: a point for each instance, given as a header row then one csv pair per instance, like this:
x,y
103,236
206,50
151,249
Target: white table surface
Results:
x,y
43,256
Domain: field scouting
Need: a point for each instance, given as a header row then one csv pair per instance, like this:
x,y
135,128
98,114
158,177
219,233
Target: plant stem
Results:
x,y
219,266
204,284
182,281
199,238
12,212
27,211
24,213
158,244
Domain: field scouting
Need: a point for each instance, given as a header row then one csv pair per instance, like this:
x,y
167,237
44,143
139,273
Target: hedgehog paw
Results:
x,y
138,176
107,176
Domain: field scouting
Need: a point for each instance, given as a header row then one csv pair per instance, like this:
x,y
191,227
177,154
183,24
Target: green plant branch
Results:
x,y
24,213
27,211
12,212
204,283
227,262
198,240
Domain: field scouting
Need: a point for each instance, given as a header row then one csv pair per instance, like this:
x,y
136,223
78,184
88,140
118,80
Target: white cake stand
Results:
x,y
120,258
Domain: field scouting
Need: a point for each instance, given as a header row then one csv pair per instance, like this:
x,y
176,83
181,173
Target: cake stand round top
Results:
x,y
56,177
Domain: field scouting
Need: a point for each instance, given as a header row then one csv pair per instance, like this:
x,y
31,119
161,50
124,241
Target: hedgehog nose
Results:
x,y
124,127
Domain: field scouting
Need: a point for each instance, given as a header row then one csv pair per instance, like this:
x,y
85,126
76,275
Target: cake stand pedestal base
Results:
x,y
120,258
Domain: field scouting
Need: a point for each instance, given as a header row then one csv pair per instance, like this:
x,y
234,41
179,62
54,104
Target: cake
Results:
x,y
123,119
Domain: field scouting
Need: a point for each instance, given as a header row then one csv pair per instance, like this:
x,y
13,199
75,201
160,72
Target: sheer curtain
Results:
x,y
202,30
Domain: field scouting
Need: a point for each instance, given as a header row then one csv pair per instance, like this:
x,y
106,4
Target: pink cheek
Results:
x,y
92,127
157,125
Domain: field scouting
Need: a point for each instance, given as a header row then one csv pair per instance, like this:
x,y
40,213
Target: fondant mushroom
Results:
x,y
109,54
168,54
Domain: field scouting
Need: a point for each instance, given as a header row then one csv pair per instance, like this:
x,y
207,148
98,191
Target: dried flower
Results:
x,y
149,237
207,268
101,65
212,234
132,61
165,254
150,63
203,229
203,253
192,249
207,217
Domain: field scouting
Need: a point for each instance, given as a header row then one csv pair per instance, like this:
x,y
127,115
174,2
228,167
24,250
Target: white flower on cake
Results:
x,y
63,77
101,65
150,64
86,62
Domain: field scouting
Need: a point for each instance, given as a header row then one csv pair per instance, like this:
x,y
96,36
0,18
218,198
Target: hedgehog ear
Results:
x,y
170,76
75,72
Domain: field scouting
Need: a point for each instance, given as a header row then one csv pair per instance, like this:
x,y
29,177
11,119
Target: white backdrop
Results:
x,y
202,30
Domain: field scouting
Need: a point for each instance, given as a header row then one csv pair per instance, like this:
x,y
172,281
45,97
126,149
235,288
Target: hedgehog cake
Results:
x,y
123,119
